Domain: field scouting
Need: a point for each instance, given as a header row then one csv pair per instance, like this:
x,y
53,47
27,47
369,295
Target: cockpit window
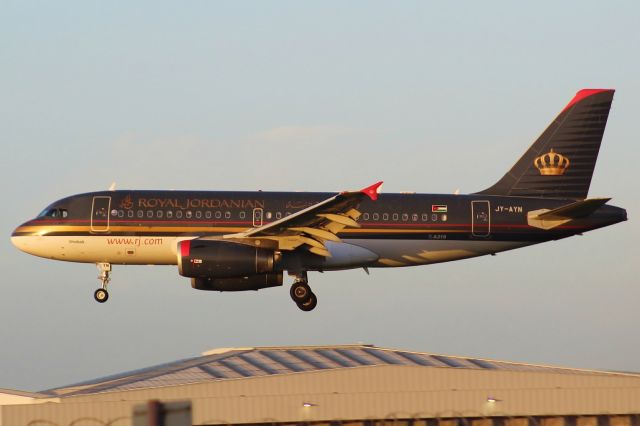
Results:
x,y
54,213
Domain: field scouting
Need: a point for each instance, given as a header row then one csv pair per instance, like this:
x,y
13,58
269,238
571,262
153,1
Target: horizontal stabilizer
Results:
x,y
575,210
549,219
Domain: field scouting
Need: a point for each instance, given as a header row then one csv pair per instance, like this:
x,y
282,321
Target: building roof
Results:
x,y
21,393
239,363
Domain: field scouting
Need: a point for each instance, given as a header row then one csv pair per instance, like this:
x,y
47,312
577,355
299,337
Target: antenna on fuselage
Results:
x,y
112,187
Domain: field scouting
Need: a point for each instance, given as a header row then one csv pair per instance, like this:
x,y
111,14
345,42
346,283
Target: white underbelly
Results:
x,y
101,248
393,253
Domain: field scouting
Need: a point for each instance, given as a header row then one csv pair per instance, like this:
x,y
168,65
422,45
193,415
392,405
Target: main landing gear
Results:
x,y
102,295
301,293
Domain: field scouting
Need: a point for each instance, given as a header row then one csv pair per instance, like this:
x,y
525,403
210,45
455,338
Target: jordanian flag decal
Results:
x,y
439,208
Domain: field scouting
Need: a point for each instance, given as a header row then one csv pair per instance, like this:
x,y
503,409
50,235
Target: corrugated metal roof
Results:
x,y
238,363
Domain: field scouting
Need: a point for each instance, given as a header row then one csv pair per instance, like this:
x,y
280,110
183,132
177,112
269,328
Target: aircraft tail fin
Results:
x,y
561,161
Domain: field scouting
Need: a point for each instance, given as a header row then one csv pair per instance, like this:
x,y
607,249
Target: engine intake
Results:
x,y
253,282
223,259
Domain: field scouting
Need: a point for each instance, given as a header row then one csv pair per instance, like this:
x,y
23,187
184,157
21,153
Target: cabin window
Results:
x,y
198,214
414,217
130,213
218,214
159,214
114,212
227,215
434,217
121,213
179,214
278,215
188,214
385,216
243,215
425,217
207,214
269,215
396,216
140,214
150,214
169,214
443,217
365,216
405,217
376,216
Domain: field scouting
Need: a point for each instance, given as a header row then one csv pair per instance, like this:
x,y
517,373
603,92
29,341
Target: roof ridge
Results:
x,y
140,374
18,392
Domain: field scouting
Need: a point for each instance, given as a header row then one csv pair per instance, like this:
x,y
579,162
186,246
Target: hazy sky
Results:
x,y
429,97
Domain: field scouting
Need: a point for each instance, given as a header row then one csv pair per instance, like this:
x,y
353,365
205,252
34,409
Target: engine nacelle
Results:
x,y
252,282
223,259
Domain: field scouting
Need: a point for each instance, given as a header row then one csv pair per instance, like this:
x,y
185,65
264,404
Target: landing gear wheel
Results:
x,y
300,292
101,295
310,304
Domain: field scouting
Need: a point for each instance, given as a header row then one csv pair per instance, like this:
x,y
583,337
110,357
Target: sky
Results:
x,y
318,96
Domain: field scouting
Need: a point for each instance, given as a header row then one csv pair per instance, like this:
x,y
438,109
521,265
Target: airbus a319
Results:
x,y
237,241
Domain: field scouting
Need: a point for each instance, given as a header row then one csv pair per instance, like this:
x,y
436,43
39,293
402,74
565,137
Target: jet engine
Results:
x,y
216,259
252,282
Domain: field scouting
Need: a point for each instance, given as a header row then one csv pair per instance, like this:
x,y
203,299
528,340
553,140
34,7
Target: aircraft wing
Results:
x,y
314,225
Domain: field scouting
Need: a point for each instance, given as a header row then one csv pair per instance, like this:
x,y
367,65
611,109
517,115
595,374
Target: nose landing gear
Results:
x,y
301,293
102,295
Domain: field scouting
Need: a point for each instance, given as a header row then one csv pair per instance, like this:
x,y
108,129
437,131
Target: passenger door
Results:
x,y
100,214
480,218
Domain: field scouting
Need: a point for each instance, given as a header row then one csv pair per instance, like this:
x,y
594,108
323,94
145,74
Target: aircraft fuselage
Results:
x,y
144,227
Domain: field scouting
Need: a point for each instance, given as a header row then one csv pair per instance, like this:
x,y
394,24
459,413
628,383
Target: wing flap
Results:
x,y
319,233
341,219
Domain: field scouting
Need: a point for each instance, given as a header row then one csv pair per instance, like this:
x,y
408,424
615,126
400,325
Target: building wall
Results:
x,y
377,393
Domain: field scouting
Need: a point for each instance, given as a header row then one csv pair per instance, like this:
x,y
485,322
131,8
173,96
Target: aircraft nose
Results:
x,y
19,240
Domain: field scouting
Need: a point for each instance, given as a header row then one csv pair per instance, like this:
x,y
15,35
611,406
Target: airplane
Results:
x,y
238,241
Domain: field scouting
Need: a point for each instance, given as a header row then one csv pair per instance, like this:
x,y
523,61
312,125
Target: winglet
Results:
x,y
372,191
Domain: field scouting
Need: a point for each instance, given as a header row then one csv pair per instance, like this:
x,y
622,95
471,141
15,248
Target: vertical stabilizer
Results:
x,y
561,161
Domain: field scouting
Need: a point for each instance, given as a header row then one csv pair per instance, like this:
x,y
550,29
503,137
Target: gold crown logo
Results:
x,y
126,202
551,164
